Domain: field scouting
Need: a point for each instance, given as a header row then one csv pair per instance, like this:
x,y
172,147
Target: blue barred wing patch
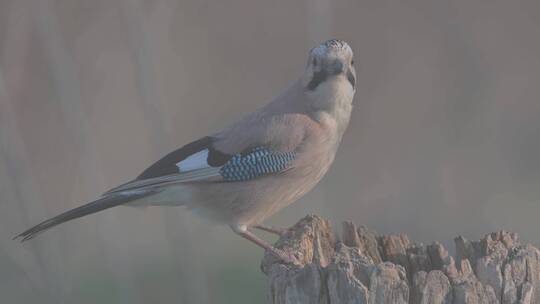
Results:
x,y
260,161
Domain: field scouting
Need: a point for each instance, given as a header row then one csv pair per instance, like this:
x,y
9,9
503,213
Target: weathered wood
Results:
x,y
363,267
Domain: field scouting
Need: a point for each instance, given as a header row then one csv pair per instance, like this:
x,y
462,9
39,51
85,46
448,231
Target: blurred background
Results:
x,y
444,137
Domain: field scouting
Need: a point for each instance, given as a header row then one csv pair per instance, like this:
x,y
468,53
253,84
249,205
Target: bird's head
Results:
x,y
331,60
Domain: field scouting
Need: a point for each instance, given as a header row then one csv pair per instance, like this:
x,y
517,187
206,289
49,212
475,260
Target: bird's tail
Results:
x,y
102,203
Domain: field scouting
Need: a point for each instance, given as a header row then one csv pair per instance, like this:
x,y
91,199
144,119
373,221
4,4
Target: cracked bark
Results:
x,y
364,267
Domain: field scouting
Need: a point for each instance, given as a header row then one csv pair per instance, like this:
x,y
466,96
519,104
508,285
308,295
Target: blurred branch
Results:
x,y
68,93
146,87
18,175
150,102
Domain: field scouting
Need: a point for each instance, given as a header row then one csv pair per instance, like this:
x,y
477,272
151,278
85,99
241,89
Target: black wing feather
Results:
x,y
167,164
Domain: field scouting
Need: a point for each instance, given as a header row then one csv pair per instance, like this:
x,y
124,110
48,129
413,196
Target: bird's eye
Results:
x,y
352,62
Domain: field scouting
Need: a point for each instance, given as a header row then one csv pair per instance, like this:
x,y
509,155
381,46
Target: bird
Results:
x,y
256,166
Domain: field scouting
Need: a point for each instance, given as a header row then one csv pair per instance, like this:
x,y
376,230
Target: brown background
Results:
x,y
444,138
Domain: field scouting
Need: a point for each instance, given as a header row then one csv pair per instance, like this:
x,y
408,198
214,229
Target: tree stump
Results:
x,y
364,267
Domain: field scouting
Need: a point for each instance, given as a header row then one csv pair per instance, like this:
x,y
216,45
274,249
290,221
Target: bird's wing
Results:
x,y
235,155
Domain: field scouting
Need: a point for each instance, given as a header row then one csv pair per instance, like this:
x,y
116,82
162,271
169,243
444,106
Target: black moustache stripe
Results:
x,y
317,79
351,79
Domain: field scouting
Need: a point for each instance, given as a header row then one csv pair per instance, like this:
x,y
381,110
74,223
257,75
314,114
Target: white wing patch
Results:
x,y
194,162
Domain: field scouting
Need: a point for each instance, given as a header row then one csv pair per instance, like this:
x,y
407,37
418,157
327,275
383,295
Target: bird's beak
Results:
x,y
337,67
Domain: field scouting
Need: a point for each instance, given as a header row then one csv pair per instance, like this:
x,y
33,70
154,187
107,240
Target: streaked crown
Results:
x,y
330,46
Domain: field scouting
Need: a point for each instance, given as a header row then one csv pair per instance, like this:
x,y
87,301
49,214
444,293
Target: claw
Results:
x,y
287,257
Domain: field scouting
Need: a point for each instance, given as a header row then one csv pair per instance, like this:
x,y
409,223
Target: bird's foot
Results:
x,y
271,229
285,256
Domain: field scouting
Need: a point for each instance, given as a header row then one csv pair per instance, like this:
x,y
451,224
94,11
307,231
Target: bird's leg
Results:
x,y
271,229
245,233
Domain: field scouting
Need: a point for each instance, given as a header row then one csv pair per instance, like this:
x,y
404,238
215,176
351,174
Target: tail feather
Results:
x,y
100,204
